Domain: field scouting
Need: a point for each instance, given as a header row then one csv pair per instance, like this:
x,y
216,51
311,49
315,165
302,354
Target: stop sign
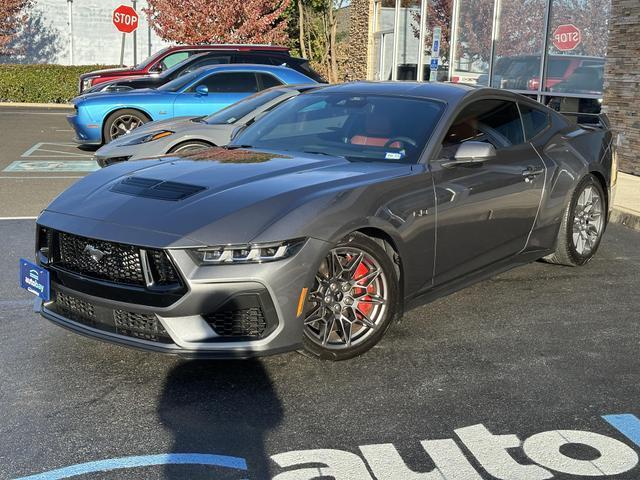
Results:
x,y
125,19
566,37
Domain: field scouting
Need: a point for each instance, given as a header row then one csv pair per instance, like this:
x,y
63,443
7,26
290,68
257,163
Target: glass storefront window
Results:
x,y
472,47
577,45
383,38
519,45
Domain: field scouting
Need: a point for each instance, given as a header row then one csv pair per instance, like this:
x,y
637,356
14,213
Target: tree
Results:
x,y
12,17
219,21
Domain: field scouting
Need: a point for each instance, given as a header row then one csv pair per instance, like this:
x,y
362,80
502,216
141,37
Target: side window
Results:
x,y
492,121
268,80
259,59
230,82
206,61
171,60
534,120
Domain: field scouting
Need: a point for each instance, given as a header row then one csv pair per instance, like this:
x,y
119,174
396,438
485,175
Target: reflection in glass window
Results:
x,y
473,45
577,38
519,45
534,120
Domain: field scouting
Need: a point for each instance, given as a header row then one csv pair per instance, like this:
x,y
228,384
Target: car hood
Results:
x,y
231,196
106,97
107,71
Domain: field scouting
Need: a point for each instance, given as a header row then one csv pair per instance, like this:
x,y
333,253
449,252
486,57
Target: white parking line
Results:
x,y
35,151
18,218
33,177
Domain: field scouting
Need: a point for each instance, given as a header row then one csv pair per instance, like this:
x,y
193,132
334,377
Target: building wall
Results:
x,y
47,38
622,81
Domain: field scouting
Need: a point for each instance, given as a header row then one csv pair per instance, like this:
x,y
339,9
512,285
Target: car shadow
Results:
x,y
219,408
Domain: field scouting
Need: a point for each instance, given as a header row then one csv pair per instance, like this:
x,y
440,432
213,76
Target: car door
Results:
x,y
224,88
485,210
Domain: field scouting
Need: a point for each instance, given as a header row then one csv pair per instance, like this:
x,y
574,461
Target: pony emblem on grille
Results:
x,y
95,254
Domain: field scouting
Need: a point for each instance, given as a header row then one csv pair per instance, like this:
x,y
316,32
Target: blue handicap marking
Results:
x,y
52,166
627,423
34,279
434,64
224,461
436,45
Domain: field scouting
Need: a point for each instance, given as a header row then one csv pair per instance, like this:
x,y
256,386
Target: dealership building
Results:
x,y
578,56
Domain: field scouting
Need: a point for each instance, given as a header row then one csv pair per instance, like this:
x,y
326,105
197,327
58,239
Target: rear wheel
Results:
x,y
582,226
353,302
189,146
121,122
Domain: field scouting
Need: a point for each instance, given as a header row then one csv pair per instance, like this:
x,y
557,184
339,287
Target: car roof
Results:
x,y
246,66
438,90
229,46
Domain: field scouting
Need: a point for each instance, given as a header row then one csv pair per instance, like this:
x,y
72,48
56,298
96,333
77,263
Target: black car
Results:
x,y
204,59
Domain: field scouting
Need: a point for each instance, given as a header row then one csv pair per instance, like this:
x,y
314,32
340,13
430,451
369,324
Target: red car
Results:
x,y
167,57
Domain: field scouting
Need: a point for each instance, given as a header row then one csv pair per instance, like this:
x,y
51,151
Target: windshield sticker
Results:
x,y
392,156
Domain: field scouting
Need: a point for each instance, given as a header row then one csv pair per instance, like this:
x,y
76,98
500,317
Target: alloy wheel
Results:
x,y
124,124
349,300
587,221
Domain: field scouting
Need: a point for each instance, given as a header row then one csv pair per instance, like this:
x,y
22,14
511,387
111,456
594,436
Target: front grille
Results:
x,y
99,259
140,325
110,261
144,326
246,322
76,309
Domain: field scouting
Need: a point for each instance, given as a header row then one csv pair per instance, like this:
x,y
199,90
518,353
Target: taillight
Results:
x,y
455,79
533,84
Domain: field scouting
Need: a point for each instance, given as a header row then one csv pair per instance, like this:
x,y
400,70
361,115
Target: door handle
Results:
x,y
532,172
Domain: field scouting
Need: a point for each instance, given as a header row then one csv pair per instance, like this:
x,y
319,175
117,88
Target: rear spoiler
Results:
x,y
588,120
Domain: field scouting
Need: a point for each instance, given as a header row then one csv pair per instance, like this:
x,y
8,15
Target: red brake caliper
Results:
x,y
360,272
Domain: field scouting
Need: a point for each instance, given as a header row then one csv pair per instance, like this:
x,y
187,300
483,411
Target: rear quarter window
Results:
x,y
534,120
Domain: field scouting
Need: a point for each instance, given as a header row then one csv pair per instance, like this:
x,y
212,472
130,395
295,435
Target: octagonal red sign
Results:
x,y
566,37
125,19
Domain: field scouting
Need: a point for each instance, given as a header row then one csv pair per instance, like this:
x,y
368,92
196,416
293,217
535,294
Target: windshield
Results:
x,y
150,59
179,83
236,111
357,127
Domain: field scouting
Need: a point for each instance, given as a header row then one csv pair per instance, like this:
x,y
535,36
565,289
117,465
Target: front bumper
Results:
x,y
87,133
196,325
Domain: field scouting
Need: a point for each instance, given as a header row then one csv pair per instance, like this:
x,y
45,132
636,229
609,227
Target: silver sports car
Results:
x,y
188,134
323,221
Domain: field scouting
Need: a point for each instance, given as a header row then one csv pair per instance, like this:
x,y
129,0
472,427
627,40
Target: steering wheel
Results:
x,y
403,140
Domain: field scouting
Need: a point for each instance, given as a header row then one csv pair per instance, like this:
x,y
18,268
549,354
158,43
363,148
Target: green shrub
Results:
x,y
40,83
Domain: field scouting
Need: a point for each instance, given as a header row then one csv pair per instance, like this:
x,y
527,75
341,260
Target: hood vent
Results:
x,y
158,189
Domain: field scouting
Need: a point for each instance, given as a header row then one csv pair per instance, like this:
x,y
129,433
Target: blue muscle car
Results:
x,y
101,117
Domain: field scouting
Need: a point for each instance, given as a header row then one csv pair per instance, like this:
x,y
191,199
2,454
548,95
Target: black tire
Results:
x,y
122,115
189,146
384,261
566,252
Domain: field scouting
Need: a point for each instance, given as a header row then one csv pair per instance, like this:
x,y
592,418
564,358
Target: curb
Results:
x,y
625,218
35,105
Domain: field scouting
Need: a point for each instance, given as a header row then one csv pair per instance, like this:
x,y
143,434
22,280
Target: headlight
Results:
x,y
254,253
149,138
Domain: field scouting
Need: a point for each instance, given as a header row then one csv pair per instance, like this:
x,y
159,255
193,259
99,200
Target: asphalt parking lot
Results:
x,y
532,355
538,349
38,159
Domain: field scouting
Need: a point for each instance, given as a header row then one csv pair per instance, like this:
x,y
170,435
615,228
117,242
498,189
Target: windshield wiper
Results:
x,y
234,147
313,152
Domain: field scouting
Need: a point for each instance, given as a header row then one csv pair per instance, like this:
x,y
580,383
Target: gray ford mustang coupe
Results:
x,y
323,221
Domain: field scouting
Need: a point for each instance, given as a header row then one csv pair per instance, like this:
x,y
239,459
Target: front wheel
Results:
x,y
121,122
189,146
353,302
582,226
